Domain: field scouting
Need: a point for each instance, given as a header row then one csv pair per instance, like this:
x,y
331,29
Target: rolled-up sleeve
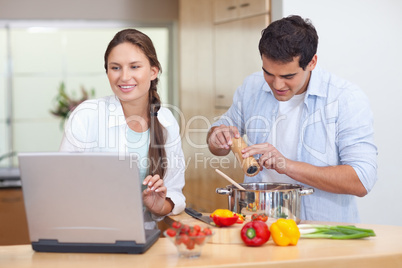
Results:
x,y
356,137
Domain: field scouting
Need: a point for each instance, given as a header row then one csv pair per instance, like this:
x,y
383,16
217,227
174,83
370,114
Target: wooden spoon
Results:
x,y
230,180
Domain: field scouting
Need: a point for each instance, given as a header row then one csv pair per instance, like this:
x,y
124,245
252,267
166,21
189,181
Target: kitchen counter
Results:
x,y
384,250
10,177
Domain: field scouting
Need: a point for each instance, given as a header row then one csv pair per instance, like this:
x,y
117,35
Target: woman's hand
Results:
x,y
154,196
270,158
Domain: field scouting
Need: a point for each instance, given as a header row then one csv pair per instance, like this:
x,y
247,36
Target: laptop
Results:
x,y
84,202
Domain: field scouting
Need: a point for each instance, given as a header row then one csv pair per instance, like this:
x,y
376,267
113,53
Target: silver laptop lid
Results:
x,y
82,197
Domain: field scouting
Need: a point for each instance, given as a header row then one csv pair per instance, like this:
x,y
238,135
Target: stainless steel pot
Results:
x,y
277,200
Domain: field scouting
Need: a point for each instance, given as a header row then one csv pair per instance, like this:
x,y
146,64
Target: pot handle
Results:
x,y
306,191
223,191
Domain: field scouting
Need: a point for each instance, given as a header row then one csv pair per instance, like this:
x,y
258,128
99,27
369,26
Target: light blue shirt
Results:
x,y
336,128
138,144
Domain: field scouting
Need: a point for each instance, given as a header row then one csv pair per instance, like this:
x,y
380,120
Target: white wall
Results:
x,y
361,41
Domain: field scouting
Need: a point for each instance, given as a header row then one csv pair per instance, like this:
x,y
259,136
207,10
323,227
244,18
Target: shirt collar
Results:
x,y
116,112
314,85
266,87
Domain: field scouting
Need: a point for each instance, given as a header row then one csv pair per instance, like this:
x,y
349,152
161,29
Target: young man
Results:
x,y
303,124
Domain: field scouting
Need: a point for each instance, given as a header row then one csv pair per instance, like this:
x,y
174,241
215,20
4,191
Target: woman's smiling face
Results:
x,y
130,73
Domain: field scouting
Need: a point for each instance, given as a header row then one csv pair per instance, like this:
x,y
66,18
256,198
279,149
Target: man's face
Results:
x,y
287,79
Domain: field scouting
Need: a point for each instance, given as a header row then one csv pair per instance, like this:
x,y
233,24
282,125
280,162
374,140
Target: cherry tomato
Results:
x,y
192,232
176,225
197,228
184,239
171,232
200,238
207,231
185,229
190,244
259,217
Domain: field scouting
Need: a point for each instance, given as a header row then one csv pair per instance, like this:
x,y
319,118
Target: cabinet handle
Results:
x,y
220,96
231,7
245,5
10,199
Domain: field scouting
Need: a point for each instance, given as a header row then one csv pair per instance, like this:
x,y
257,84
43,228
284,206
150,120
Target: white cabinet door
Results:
x,y
236,55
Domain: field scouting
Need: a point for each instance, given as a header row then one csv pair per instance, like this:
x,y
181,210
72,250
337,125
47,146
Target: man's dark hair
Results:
x,y
287,38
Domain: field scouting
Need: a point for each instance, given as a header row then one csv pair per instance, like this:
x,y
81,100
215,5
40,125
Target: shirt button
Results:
x,y
112,107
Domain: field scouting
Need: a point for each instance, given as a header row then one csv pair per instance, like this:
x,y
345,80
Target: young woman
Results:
x,y
132,122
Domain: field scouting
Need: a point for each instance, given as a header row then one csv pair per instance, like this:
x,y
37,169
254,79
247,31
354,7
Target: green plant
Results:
x,y
65,104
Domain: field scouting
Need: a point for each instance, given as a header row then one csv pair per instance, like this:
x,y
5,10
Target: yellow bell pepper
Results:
x,y
226,213
285,232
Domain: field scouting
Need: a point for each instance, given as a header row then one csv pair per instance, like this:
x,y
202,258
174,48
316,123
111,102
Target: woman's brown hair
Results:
x,y
156,153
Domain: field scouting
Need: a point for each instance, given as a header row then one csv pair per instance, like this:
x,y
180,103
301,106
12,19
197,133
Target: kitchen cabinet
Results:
x,y
236,55
13,222
225,10
237,31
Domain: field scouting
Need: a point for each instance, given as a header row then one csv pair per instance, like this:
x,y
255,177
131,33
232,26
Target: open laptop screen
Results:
x,y
84,198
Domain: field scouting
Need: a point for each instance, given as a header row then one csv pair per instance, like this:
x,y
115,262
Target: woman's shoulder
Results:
x,y
108,100
91,107
166,118
170,123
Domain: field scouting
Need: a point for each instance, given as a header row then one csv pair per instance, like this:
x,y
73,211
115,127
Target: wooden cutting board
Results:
x,y
222,235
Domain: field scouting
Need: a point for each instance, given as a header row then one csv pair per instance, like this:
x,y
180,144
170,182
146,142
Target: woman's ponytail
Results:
x,y
157,153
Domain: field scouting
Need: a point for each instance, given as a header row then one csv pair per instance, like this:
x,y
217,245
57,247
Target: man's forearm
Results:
x,y
340,179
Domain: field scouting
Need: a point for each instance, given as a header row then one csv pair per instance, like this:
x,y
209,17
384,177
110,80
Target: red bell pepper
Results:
x,y
255,233
225,221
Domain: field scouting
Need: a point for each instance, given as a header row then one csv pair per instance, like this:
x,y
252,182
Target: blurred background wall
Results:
x,y
45,42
